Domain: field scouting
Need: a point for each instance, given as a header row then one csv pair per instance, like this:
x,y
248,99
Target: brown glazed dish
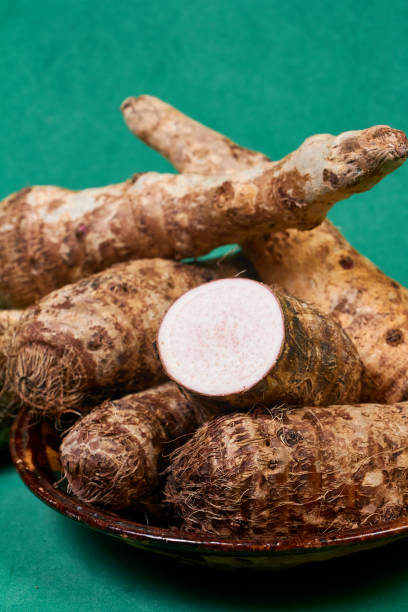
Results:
x,y
34,449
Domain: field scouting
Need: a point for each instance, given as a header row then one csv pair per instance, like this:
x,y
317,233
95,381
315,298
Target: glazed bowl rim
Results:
x,y
103,520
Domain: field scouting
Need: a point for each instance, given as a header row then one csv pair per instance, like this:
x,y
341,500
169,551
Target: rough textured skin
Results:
x,y
113,455
95,339
319,266
303,471
188,145
8,400
322,267
317,365
9,318
51,236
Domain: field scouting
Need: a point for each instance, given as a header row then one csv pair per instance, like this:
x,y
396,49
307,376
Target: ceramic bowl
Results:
x,y
34,449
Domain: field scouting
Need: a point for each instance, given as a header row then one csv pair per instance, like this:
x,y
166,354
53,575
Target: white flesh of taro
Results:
x,y
223,337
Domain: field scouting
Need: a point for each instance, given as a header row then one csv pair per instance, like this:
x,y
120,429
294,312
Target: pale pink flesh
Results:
x,y
222,337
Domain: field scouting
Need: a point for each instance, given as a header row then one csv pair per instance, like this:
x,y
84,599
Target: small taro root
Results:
x,y
113,456
318,266
238,340
305,471
95,339
8,401
51,236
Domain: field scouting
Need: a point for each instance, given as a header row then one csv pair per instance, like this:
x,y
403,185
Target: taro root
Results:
x,y
237,340
95,339
51,236
320,265
190,146
305,471
113,456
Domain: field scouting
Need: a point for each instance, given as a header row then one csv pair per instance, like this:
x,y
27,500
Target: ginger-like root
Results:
x,y
305,471
188,145
238,341
51,236
318,266
95,339
114,455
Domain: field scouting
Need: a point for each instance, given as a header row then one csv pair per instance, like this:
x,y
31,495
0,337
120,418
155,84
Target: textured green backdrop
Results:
x,y
267,73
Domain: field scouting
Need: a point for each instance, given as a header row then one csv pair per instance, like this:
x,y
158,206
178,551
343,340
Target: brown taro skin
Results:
x,y
8,319
318,266
306,471
9,402
317,364
95,339
321,266
114,455
187,144
50,236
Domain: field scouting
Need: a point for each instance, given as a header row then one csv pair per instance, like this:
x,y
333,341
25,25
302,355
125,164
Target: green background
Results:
x,y
268,74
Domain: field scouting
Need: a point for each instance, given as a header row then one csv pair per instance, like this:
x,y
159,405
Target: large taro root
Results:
x,y
306,471
51,236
